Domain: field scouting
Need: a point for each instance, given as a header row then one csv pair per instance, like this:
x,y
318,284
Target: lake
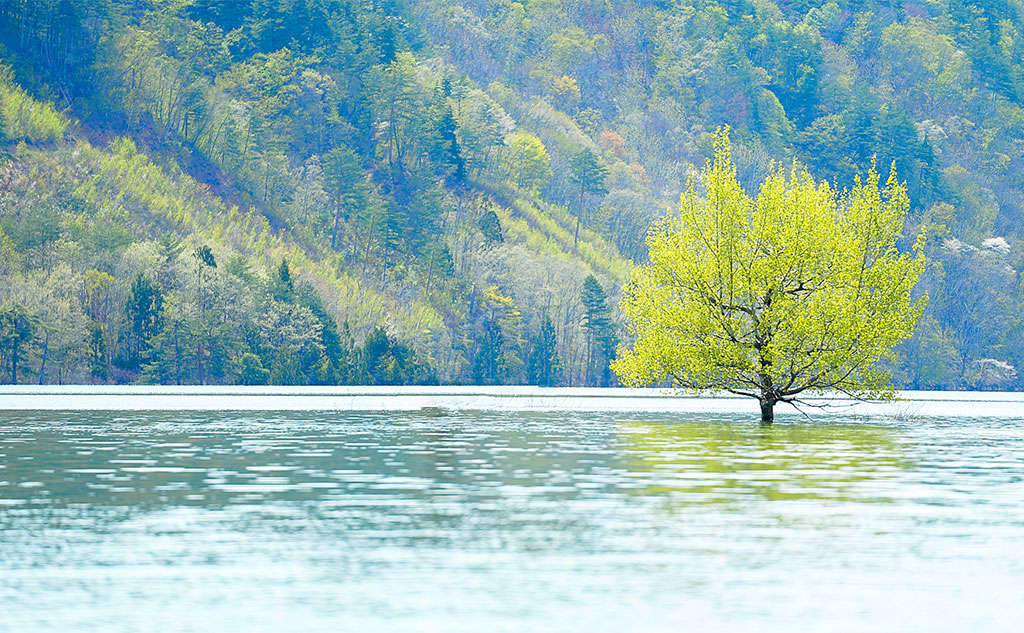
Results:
x,y
505,519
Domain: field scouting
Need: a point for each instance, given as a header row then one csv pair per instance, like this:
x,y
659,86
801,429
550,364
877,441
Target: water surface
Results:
x,y
504,521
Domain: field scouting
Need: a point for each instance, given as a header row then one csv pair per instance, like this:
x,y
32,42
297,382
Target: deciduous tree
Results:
x,y
799,290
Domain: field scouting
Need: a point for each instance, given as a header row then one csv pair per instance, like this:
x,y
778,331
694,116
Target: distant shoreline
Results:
x,y
476,398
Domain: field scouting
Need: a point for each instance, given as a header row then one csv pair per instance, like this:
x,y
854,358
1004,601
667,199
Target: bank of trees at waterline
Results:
x,y
189,316
800,290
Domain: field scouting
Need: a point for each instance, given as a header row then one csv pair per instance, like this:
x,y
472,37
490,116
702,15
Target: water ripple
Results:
x,y
384,522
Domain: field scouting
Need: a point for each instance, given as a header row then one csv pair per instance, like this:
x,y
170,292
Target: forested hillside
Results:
x,y
343,192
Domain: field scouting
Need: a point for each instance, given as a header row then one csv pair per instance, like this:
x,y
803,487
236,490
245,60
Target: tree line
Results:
x,y
410,156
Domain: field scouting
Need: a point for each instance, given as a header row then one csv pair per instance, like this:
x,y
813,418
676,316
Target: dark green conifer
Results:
x,y
601,335
543,366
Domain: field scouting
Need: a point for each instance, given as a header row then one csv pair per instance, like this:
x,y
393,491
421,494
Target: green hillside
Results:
x,y
334,192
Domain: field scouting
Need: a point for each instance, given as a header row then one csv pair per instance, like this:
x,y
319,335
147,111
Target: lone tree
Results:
x,y
801,290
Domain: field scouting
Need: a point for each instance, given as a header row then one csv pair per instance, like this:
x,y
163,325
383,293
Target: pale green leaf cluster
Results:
x,y
22,118
802,288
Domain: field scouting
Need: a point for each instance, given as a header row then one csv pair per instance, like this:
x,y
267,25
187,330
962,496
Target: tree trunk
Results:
x,y
14,362
767,410
177,362
369,238
199,362
42,364
430,272
579,214
245,146
768,394
337,219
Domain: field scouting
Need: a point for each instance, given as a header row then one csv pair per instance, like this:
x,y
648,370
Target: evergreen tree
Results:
x,y
490,226
17,330
488,351
204,259
500,347
389,362
335,366
600,330
170,356
451,155
98,367
282,288
544,367
344,175
144,307
589,174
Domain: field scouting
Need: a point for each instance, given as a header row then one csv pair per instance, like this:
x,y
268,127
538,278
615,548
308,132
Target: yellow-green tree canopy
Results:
x,y
802,289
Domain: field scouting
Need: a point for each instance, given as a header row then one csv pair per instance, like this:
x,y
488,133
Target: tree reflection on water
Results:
x,y
721,462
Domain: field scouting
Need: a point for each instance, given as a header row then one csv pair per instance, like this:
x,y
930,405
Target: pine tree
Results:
x,y
144,307
488,352
490,226
589,174
17,330
451,153
544,367
343,173
600,329
97,352
282,288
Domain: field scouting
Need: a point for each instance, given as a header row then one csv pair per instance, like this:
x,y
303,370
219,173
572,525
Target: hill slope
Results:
x,y
417,164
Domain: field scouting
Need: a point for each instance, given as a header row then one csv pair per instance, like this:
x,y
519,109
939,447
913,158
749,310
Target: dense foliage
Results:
x,y
798,291
451,176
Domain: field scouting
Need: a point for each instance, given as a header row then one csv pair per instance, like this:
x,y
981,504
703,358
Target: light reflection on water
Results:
x,y
507,522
